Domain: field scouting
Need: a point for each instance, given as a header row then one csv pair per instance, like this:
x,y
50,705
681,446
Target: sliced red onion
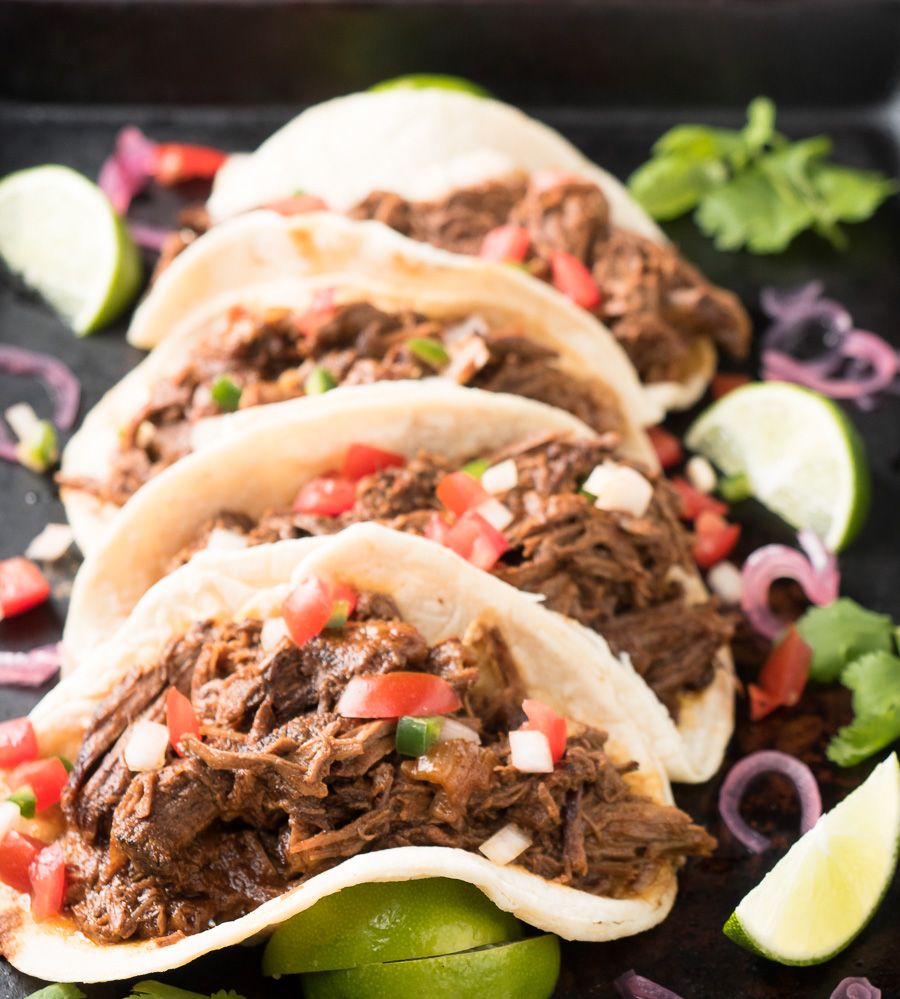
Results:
x,y
634,986
30,669
767,761
817,574
63,386
128,171
856,988
877,354
783,303
150,237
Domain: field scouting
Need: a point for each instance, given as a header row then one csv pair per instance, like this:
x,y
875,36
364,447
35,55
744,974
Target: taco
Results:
x,y
293,787
268,308
450,168
394,454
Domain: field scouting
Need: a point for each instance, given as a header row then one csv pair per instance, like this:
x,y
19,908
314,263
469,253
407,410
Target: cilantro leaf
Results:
x,y
851,195
875,682
841,632
669,186
760,128
701,142
60,990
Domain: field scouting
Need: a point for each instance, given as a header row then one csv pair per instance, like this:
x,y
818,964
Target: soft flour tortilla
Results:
x,y
264,260
265,464
422,145
441,597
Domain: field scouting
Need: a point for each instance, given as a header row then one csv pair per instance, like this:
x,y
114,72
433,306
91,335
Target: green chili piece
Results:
x,y
415,736
225,393
429,351
319,381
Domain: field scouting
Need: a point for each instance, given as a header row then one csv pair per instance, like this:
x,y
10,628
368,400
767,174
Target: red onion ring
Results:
x,y
634,986
30,669
817,573
786,303
62,385
150,237
856,988
128,171
767,761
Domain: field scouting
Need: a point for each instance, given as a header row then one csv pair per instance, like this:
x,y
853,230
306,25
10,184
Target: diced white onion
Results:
x,y
9,817
596,482
495,513
453,729
144,434
625,491
273,630
473,326
51,544
502,477
530,752
725,581
146,749
222,540
470,356
506,844
700,474
22,418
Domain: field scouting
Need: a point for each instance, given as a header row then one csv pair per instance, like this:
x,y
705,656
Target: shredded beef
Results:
x,y
654,302
280,788
271,357
610,572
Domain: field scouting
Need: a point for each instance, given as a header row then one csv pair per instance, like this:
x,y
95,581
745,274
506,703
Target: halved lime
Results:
x,y
801,455
387,921
431,81
822,893
60,232
527,969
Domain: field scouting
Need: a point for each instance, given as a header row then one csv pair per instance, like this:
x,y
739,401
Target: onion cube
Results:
x,y
51,544
506,844
453,729
221,540
146,749
530,752
273,630
725,581
626,491
495,513
501,478
700,474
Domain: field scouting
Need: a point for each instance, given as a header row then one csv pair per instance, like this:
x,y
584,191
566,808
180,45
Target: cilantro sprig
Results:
x,y
753,187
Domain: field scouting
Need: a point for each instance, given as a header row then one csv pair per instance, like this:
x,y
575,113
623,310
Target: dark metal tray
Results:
x,y
611,76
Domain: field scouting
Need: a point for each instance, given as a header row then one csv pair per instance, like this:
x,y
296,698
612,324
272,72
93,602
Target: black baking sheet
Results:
x,y
71,74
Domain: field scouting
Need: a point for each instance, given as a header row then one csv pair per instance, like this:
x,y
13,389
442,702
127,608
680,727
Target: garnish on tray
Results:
x,y
753,187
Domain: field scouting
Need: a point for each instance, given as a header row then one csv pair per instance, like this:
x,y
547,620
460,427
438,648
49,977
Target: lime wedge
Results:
x,y
390,921
801,455
822,893
431,81
60,232
527,969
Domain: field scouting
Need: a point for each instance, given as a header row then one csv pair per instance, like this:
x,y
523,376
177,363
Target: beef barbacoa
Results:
x,y
652,299
280,787
269,359
614,573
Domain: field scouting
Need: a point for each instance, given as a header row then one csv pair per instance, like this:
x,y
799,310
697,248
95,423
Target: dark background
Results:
x,y
612,77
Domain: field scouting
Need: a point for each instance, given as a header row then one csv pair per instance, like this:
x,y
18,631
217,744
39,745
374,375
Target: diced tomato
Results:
x,y
46,778
761,703
785,672
715,539
342,594
298,205
725,382
181,718
393,695
17,742
179,161
542,718
438,528
47,875
17,851
307,609
505,244
459,492
362,459
475,540
666,445
574,280
546,180
22,586
693,502
327,495
320,310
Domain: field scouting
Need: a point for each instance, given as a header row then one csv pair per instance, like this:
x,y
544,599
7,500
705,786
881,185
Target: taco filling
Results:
x,y
250,361
284,780
616,567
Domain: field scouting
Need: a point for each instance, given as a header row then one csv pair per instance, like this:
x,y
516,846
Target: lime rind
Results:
x,y
802,456
59,231
822,894
387,921
431,81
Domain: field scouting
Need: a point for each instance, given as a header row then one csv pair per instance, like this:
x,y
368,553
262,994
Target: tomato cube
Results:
x,y
18,742
17,851
46,778
327,495
393,695
22,586
542,718
181,719
361,459
47,875
574,280
505,244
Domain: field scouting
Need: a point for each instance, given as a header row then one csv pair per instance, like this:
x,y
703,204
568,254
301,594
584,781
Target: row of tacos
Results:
x,y
453,457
